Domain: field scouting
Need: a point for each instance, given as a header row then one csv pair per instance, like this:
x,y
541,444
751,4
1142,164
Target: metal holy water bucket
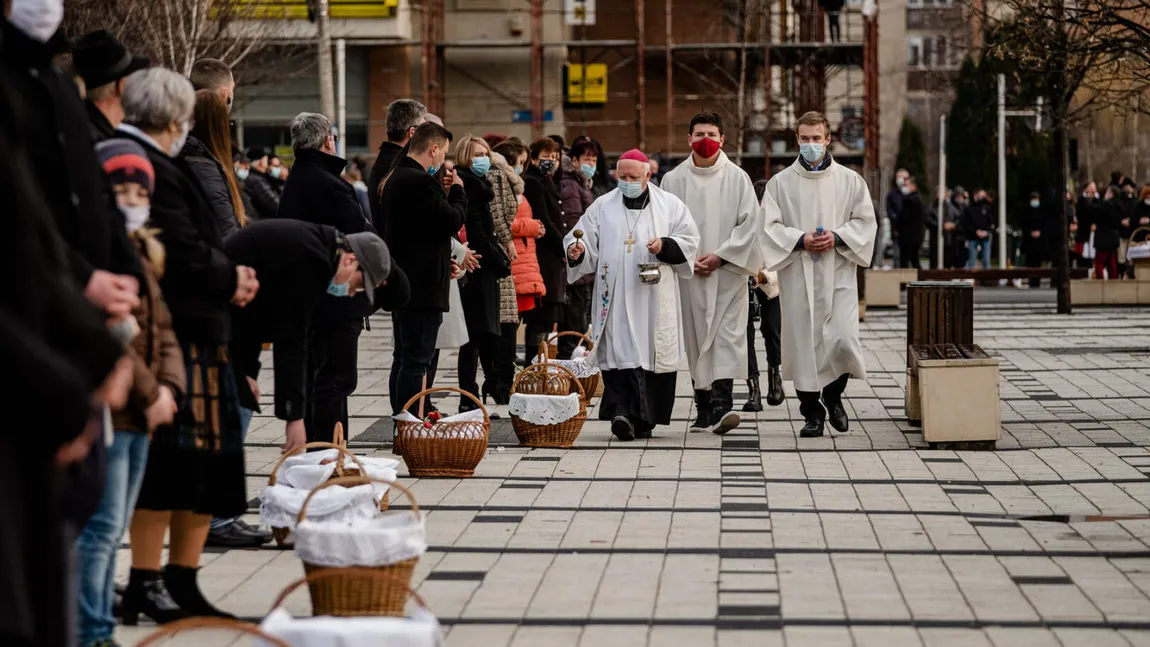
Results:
x,y
649,273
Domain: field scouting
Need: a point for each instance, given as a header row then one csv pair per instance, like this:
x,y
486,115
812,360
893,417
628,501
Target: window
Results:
x,y
914,52
931,52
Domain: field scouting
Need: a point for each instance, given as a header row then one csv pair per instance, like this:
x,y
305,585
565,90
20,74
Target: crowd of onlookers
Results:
x,y
1101,225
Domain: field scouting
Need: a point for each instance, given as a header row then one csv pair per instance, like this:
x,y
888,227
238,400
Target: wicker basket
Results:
x,y
347,591
223,624
387,584
436,453
592,386
281,534
548,379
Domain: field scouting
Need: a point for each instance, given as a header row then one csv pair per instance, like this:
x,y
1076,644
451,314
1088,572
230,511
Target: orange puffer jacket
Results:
x,y
529,284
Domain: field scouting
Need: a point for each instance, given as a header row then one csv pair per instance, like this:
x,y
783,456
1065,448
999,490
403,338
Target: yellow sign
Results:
x,y
587,83
298,9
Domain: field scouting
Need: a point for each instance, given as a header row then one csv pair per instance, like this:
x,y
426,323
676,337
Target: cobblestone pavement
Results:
x,y
760,538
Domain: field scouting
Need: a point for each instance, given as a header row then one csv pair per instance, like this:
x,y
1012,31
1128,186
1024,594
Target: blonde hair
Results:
x,y
466,149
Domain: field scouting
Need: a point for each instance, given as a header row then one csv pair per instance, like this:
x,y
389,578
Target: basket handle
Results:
x,y
350,481
187,624
584,339
341,449
338,437
1130,241
357,571
548,367
445,389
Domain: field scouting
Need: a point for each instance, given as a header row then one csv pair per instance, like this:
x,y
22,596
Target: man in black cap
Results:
x,y
103,62
262,188
298,264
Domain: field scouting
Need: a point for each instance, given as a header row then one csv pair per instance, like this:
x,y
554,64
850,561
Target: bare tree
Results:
x,y
177,33
1080,54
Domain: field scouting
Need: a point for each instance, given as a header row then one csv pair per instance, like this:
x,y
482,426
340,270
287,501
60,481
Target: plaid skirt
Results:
x,y
197,462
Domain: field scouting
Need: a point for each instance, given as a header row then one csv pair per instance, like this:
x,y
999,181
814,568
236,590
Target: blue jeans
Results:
x,y
972,252
245,422
97,544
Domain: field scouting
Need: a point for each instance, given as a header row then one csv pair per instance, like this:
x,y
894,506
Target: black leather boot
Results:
x,y
185,590
622,428
775,395
755,399
703,411
147,594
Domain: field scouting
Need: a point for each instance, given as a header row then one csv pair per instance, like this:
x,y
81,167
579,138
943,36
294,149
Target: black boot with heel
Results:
x,y
755,399
185,590
147,595
775,394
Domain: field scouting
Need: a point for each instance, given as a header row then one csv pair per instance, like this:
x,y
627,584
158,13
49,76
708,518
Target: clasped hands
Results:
x,y
817,243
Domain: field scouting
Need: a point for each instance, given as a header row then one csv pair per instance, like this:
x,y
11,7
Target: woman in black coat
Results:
x,y
1107,217
209,146
480,295
543,196
195,467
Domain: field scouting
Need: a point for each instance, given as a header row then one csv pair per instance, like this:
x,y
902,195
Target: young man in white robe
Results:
x,y
635,320
722,202
820,226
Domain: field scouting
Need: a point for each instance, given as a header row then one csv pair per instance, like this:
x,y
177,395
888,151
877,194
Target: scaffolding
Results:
x,y
775,63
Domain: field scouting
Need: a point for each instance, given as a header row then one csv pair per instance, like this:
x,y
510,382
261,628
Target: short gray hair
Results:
x,y
155,97
402,116
309,130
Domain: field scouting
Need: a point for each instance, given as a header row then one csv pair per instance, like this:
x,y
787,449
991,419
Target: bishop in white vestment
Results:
x,y
635,320
721,199
818,272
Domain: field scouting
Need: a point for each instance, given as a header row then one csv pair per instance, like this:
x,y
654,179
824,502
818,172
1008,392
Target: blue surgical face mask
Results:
x,y
480,165
338,289
275,171
519,170
588,170
242,174
433,169
631,189
1034,203
813,152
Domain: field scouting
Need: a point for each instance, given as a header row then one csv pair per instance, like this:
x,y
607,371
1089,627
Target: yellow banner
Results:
x,y
587,83
298,9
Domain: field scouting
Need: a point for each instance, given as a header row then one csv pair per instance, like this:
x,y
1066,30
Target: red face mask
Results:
x,y
706,147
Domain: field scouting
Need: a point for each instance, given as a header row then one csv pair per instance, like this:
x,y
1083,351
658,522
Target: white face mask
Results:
x,y
38,19
178,142
135,217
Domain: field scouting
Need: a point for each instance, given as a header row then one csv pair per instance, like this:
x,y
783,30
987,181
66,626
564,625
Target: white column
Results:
x,y
341,93
941,185
1002,171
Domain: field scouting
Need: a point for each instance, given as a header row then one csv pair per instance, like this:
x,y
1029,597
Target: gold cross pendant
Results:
x,y
630,242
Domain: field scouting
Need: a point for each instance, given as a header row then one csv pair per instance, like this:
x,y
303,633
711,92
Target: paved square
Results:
x,y
761,538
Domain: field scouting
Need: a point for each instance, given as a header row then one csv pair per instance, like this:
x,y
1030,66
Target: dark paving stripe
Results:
x,y
770,553
994,523
744,507
523,486
456,576
540,458
497,519
939,459
749,610
1042,579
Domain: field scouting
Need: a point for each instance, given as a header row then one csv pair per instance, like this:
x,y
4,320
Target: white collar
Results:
x,y
139,134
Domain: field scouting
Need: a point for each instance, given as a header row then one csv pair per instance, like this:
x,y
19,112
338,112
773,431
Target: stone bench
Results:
x,y
884,287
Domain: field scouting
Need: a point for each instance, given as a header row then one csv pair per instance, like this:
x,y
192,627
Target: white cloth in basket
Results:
x,y
468,416
309,477
280,504
389,538
580,368
1138,252
419,630
544,409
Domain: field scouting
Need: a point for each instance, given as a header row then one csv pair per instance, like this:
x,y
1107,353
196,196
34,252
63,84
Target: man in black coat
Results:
x,y
103,62
55,344
419,223
911,225
315,193
541,192
978,223
323,262
894,199
1036,232
262,189
403,117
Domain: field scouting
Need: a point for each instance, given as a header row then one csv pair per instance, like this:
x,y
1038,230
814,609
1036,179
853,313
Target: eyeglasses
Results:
x,y
334,134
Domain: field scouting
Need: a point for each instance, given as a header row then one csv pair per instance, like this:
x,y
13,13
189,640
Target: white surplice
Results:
x,y
819,292
634,325
722,202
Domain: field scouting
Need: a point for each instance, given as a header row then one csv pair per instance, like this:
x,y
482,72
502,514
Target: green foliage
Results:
x,y
912,154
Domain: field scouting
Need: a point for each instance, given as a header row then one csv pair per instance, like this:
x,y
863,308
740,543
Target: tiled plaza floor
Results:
x,y
760,538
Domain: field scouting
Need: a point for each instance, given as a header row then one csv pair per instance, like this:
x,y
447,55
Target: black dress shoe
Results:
x,y
755,399
147,594
622,428
255,530
813,429
185,589
233,535
643,431
775,394
724,421
837,415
